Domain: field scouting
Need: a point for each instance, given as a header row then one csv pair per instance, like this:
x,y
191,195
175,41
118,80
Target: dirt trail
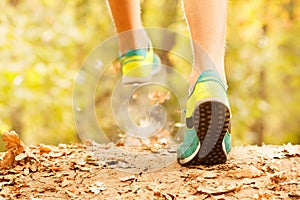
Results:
x,y
73,172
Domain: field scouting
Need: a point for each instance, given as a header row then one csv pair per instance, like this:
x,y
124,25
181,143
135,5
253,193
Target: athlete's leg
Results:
x,y
207,139
207,23
127,18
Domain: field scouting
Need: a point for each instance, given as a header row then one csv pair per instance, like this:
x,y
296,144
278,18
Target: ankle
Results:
x,y
196,72
194,76
133,39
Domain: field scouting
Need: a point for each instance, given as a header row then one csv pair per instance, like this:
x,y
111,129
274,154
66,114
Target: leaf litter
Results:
x,y
72,172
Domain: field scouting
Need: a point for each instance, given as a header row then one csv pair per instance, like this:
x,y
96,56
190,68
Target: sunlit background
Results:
x,y
43,43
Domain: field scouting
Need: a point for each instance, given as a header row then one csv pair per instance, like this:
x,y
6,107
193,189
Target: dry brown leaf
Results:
x,y
26,171
33,167
97,187
5,191
14,147
120,144
13,142
271,168
221,190
164,195
20,157
294,194
55,154
158,193
3,183
210,175
127,178
154,148
66,182
158,97
291,150
71,194
62,146
8,160
85,169
19,168
81,163
246,172
56,168
44,149
279,177
134,187
30,154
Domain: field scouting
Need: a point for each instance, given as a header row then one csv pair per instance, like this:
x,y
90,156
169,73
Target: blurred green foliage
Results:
x,y
43,44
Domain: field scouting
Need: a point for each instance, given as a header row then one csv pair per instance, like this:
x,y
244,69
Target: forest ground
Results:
x,y
74,172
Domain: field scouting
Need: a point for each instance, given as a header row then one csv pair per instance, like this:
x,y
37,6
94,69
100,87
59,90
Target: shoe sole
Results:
x,y
211,121
189,158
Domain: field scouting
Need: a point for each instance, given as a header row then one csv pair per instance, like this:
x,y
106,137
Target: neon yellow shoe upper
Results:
x,y
207,139
208,87
138,66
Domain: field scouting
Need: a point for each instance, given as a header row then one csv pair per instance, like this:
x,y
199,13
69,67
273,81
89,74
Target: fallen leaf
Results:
x,y
33,167
9,177
270,168
71,194
246,172
5,183
164,195
6,192
14,147
158,97
55,154
66,182
100,185
44,149
127,178
19,168
291,150
209,175
20,157
163,141
278,177
55,168
294,194
120,144
134,187
154,148
30,154
26,171
81,163
46,174
292,182
8,160
84,169
13,142
97,187
188,176
91,160
62,146
221,190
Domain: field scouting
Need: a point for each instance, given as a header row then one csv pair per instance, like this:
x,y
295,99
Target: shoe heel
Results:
x,y
211,120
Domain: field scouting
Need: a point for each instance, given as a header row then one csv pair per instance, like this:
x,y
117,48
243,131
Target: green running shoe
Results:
x,y
138,66
207,140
